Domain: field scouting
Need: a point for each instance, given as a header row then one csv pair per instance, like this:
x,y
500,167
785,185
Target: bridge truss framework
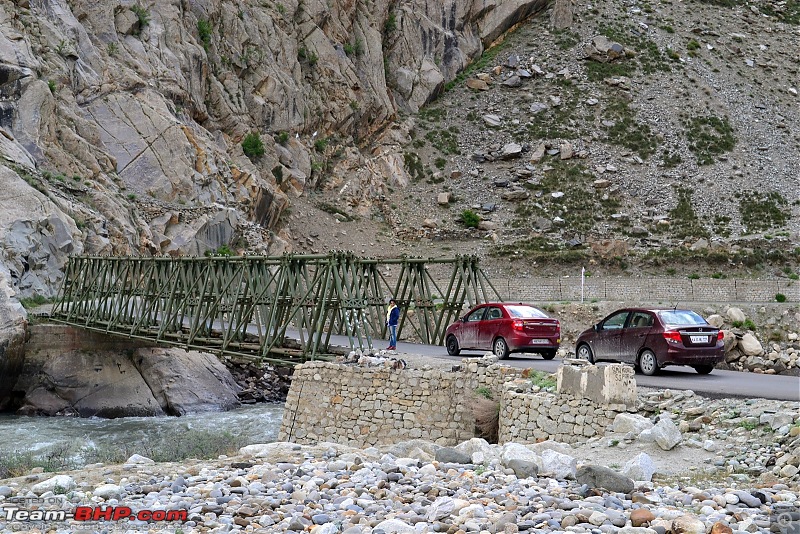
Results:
x,y
252,307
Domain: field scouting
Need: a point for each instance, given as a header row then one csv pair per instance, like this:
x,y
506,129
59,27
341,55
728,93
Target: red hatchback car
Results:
x,y
653,338
504,328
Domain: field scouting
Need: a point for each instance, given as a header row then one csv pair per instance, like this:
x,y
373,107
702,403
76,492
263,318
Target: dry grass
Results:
x,y
487,418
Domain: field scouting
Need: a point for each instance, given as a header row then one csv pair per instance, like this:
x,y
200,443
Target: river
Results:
x,y
39,436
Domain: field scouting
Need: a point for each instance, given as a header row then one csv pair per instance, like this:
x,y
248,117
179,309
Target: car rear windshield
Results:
x,y
680,317
525,312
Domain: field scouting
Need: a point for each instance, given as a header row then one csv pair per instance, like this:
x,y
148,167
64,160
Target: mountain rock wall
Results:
x,y
123,122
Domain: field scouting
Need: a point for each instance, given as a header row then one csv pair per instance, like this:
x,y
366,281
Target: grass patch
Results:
x,y
627,132
32,302
482,62
414,166
762,211
685,222
709,136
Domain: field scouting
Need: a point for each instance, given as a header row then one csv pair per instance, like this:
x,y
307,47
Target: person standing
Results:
x,y
392,318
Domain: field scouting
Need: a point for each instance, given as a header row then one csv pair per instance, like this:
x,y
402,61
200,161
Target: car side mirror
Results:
x,y
597,327
464,319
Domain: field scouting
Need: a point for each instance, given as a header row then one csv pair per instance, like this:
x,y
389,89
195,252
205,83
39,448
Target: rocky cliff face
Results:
x,y
122,122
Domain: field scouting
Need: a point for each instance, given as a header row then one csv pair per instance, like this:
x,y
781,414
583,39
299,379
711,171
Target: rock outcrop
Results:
x,y
13,328
127,121
136,382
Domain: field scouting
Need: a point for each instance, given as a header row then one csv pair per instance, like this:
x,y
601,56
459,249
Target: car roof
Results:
x,y
506,304
657,309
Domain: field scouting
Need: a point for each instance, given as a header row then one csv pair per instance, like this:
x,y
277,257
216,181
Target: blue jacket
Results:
x,y
394,316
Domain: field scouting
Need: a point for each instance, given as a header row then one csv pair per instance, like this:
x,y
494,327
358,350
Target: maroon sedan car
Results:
x,y
653,338
504,328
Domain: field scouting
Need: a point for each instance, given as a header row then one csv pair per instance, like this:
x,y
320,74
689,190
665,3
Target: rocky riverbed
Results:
x,y
681,464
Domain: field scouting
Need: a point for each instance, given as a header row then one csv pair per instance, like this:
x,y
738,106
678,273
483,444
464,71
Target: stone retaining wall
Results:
x,y
365,406
588,399
664,289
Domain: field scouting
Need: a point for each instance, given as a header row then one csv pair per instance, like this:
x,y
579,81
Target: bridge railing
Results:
x,y
277,309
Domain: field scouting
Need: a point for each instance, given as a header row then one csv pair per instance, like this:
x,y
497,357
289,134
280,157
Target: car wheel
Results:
x,y
452,346
584,352
549,354
648,363
500,348
703,369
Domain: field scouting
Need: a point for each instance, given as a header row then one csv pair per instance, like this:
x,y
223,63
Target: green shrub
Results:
x,y
51,84
543,379
484,392
391,23
143,15
470,219
320,144
204,30
780,297
252,146
283,138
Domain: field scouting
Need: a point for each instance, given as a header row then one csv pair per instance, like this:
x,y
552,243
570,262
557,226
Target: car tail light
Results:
x,y
720,335
518,325
673,336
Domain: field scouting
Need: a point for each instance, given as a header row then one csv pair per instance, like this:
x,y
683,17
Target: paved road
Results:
x,y
718,384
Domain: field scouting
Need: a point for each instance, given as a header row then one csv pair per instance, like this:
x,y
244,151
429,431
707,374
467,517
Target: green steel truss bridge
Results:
x,y
278,309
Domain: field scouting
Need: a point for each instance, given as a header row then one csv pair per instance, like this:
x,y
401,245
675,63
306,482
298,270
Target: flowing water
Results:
x,y
257,423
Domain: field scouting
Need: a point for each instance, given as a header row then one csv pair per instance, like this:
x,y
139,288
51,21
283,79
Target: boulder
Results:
x,y
716,320
596,476
511,150
666,434
187,382
538,153
750,345
477,85
452,456
633,423
119,382
59,484
735,315
479,450
515,452
523,468
560,466
492,120
513,195
640,467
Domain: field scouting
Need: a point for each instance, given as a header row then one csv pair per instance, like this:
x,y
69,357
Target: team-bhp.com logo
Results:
x,y
93,513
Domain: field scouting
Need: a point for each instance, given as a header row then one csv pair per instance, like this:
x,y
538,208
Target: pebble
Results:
x,y
322,491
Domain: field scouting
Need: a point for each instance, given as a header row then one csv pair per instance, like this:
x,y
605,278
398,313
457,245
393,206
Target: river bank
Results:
x,y
730,465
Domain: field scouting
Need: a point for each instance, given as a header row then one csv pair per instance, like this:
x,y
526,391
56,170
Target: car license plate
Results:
x,y
539,341
699,339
